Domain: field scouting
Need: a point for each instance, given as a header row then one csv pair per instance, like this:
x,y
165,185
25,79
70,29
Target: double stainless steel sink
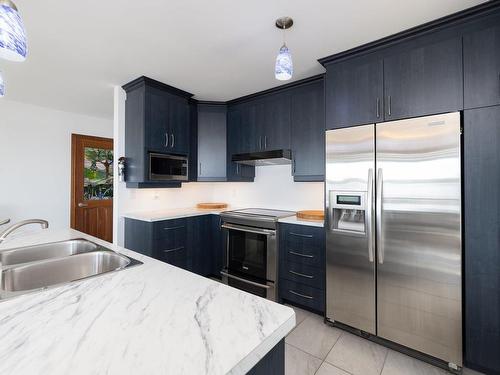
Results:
x,y
26,269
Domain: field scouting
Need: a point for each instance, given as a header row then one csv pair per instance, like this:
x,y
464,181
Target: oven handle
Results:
x,y
266,232
244,280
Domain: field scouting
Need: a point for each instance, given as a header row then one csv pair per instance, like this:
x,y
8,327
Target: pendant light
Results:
x,y
2,86
13,44
283,70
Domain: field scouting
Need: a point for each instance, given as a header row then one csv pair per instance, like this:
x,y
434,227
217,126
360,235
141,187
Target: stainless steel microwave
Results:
x,y
166,167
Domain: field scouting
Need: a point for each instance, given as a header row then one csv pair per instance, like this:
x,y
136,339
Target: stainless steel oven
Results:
x,y
251,250
166,167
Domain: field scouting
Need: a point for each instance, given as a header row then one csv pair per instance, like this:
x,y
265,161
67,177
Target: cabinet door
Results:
x,y
276,122
423,79
354,92
179,125
482,238
211,143
482,67
308,132
217,242
236,172
198,245
247,136
157,117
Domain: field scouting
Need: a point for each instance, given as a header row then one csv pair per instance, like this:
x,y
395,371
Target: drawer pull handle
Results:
x,y
174,228
300,295
301,274
301,235
172,250
300,254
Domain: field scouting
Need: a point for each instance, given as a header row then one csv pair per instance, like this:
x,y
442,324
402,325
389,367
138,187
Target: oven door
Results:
x,y
250,259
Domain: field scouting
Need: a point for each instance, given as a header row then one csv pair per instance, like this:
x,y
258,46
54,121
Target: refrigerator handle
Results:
x,y
380,245
369,215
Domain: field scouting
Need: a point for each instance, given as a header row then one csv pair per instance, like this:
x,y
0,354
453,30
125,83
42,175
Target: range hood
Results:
x,y
273,157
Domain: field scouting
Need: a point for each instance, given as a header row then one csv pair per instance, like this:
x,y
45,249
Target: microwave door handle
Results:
x,y
369,215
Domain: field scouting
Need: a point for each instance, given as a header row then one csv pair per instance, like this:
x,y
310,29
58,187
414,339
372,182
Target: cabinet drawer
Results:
x,y
176,256
168,228
304,274
302,295
302,235
307,255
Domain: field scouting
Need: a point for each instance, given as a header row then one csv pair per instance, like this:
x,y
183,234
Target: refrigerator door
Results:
x,y
350,247
418,225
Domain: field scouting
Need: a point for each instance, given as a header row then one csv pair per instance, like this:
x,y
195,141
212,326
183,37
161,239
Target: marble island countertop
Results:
x,y
150,319
177,213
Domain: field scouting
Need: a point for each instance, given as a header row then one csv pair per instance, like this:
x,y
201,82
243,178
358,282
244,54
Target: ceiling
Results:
x,y
217,50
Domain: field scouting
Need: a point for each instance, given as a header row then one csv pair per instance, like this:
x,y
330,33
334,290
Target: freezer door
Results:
x,y
418,224
350,265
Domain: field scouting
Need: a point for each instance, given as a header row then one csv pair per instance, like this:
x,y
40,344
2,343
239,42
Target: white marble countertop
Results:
x,y
172,213
294,220
151,319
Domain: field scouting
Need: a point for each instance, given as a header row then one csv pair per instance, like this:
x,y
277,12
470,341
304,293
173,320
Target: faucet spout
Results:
x,y
12,228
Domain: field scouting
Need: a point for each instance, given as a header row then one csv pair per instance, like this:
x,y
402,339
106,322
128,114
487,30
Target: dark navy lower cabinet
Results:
x,y
482,238
273,362
302,266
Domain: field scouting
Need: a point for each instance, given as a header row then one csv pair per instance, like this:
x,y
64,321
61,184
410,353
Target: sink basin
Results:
x,y
62,270
46,251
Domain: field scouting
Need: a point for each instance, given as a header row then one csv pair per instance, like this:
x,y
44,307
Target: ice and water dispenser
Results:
x,y
348,211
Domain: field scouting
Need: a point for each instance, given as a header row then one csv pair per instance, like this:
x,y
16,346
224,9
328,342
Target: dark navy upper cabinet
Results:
x,y
156,120
423,77
239,131
354,92
308,131
209,133
482,238
482,66
275,126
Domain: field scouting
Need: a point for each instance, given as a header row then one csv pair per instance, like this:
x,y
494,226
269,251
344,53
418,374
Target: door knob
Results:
x,y
82,205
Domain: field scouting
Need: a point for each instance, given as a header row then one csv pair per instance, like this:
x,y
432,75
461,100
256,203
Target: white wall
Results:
x,y
35,160
273,187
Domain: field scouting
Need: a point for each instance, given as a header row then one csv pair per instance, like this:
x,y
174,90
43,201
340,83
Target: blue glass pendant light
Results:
x,y
283,70
2,86
13,44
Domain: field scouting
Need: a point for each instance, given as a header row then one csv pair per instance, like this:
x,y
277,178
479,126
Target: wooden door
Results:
x,y
354,92
92,186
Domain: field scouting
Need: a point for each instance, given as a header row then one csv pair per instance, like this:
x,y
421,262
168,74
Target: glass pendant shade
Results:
x,y
13,44
2,86
284,66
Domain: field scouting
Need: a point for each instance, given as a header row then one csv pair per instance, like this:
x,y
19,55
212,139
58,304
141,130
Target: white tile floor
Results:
x,y
314,348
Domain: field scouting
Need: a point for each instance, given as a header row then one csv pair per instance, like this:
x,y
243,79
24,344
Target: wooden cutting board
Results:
x,y
211,206
311,215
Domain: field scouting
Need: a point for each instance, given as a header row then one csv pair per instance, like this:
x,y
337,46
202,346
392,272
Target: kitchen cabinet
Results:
x,y
193,243
274,128
302,266
308,132
482,66
482,238
156,120
354,92
208,159
238,132
423,77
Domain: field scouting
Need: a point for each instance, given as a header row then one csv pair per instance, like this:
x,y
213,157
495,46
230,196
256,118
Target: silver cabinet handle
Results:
x,y
380,244
265,142
301,235
83,205
174,228
300,294
301,274
369,215
200,170
389,112
244,280
166,139
172,138
260,143
173,250
300,254
237,169
378,107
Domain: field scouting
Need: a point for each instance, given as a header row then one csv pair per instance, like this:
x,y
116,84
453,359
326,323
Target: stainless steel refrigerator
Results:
x,y
393,202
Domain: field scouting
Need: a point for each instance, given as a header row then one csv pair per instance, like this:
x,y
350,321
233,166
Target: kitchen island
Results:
x,y
150,319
